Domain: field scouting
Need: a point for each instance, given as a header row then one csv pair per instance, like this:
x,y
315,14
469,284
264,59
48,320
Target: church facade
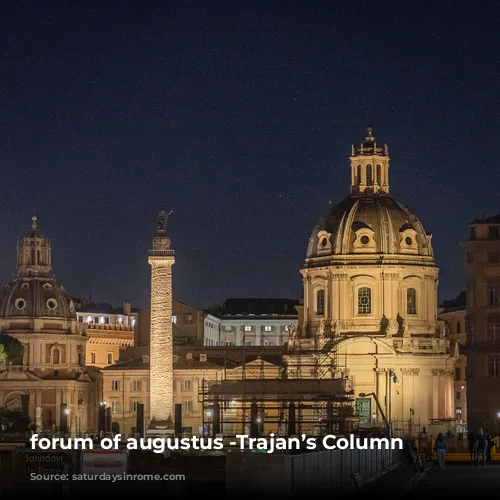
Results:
x,y
370,284
49,381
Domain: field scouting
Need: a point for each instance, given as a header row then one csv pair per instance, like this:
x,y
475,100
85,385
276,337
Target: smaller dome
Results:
x,y
36,298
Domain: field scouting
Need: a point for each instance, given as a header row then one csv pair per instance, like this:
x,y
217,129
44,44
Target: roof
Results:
x,y
494,219
257,307
368,224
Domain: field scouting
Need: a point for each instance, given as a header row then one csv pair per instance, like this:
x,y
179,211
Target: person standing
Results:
x,y
481,448
440,447
472,447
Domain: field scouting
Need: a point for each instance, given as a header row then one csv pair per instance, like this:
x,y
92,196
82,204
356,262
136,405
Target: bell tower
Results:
x,y
369,167
34,254
161,258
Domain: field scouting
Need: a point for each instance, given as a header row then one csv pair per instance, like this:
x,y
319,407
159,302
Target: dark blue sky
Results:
x,y
240,118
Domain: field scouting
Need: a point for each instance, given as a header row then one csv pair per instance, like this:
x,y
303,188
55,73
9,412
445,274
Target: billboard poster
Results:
x,y
56,466
104,462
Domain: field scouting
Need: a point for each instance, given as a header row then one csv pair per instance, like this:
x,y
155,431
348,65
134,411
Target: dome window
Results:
x,y
364,240
20,304
409,241
51,304
324,241
25,286
47,286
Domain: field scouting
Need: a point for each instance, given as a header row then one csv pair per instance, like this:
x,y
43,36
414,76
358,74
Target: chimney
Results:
x,y
189,356
127,309
203,357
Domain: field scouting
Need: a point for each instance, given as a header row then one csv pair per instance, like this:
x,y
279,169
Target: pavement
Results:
x,y
458,481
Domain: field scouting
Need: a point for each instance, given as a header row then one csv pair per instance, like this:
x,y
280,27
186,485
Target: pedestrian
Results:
x,y
491,445
472,447
440,447
481,448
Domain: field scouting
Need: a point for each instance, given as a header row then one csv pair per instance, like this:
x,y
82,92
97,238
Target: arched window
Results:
x,y
358,175
56,356
320,303
364,300
379,175
411,301
369,175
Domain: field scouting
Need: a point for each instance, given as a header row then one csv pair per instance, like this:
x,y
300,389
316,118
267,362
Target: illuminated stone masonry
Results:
x,y
161,259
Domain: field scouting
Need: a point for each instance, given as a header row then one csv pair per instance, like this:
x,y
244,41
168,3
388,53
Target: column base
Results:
x,y
161,427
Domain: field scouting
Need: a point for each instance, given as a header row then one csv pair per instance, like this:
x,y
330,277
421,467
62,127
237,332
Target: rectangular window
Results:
x,y
133,405
494,295
457,395
186,385
248,328
494,367
493,232
457,374
494,333
320,303
459,327
187,406
267,328
80,319
174,320
136,385
247,343
115,385
110,358
92,358
115,406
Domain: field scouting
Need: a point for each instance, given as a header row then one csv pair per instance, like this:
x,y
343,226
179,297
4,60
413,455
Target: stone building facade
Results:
x,y
51,379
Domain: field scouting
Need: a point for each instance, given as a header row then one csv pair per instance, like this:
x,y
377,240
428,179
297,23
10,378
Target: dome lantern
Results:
x,y
34,253
369,167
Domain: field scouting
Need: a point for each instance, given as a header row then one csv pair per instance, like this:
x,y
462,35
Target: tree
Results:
x,y
13,421
12,348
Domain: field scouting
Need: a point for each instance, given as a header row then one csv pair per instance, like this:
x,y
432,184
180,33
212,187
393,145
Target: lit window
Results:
x,y
320,303
174,319
411,301
248,328
267,328
364,301
89,319
133,321
494,332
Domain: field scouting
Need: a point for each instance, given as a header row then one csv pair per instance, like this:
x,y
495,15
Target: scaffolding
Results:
x,y
300,389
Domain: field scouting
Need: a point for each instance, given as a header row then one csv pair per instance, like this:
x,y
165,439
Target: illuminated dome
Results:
x,y
369,223
34,293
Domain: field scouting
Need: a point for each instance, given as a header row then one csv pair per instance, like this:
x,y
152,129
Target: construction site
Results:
x,y
290,390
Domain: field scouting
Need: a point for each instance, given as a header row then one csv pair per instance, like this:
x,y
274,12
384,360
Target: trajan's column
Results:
x,y
161,258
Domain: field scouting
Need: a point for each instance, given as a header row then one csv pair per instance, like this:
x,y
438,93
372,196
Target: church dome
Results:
x,y
36,298
34,293
369,222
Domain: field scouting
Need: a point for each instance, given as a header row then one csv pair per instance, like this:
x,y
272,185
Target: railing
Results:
x,y
161,253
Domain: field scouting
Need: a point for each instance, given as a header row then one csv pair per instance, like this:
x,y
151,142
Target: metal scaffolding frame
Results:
x,y
305,391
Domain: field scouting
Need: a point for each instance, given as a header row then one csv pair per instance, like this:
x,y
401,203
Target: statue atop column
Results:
x,y
401,325
161,221
384,325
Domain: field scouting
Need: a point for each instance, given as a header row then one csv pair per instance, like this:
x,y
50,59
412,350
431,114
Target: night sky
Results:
x,y
239,117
